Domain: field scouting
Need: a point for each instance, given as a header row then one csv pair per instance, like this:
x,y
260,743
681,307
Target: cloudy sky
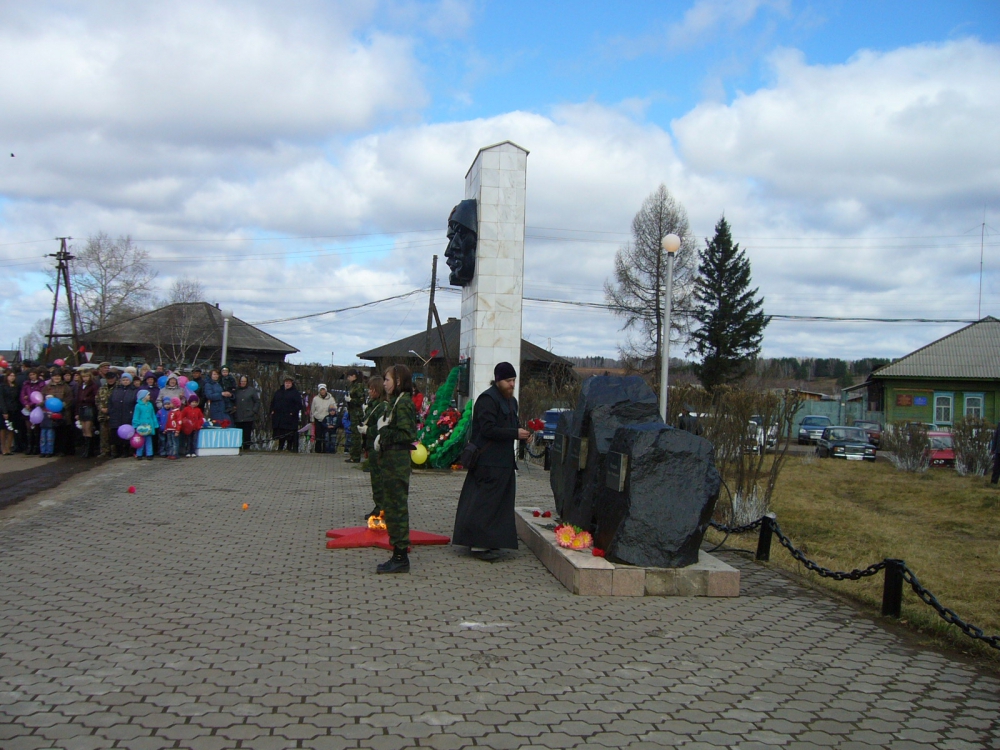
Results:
x,y
301,157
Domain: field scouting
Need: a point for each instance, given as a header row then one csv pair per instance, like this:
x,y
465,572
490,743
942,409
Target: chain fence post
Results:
x,y
892,590
764,540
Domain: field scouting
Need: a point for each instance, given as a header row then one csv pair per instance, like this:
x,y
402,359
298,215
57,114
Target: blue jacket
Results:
x,y
212,391
145,414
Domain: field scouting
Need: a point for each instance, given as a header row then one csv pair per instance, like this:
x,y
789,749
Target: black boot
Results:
x,y
398,563
86,446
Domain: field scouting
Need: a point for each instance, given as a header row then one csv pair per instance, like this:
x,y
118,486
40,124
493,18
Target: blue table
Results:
x,y
219,442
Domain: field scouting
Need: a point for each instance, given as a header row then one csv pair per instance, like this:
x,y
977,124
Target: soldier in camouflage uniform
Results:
x,y
355,409
369,431
397,429
103,399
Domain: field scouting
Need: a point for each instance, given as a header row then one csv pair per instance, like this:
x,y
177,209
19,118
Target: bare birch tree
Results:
x,y
185,289
183,330
112,280
639,281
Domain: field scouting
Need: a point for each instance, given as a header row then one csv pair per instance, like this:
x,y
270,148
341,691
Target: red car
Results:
x,y
940,450
874,430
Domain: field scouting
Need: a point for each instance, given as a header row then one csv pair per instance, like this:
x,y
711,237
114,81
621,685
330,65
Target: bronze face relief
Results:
x,y
463,226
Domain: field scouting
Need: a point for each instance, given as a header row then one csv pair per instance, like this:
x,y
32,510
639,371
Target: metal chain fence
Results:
x,y
896,573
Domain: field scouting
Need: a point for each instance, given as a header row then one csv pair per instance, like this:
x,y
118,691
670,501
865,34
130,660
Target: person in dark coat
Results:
x,y
286,406
216,403
247,409
484,521
121,406
995,450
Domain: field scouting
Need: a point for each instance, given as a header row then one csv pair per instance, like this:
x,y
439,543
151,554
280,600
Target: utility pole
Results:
x,y
432,314
430,311
63,277
982,241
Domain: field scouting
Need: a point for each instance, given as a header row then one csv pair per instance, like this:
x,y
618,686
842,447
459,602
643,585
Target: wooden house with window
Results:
x,y
955,376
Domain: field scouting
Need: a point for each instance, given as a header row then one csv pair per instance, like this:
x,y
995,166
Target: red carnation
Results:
x,y
535,513
597,552
547,514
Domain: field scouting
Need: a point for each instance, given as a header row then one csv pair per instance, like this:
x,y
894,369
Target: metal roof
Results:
x,y
192,320
452,333
971,353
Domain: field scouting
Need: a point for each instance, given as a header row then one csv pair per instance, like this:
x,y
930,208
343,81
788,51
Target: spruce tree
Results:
x,y
729,315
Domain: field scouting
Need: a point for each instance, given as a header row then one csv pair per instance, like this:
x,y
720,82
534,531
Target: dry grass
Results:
x,y
945,526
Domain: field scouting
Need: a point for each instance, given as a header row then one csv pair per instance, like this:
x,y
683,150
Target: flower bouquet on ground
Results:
x,y
573,537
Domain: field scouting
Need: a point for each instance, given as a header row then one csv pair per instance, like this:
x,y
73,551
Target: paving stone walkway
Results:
x,y
173,619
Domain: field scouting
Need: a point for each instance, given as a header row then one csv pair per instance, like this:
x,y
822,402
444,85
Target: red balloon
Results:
x,y
131,490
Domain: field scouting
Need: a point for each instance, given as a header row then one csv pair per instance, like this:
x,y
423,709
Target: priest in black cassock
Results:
x,y
484,521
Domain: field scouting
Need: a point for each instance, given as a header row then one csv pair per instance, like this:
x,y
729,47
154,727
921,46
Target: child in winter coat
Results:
x,y
173,429
332,422
161,420
194,416
144,421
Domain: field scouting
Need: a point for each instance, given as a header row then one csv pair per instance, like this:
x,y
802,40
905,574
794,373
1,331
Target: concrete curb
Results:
x,y
586,575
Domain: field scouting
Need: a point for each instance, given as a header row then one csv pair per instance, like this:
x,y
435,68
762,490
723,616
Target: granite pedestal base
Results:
x,y
586,575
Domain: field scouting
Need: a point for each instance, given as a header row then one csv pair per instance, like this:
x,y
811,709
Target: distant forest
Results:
x,y
782,368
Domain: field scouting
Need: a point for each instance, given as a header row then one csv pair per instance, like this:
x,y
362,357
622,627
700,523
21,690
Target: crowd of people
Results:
x,y
118,412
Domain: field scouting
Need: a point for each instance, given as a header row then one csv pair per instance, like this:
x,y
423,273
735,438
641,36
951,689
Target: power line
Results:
x,y
338,310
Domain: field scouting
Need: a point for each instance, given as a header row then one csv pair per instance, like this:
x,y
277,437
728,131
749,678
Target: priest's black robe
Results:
x,y
485,516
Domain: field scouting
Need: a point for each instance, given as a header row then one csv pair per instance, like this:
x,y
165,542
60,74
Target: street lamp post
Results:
x,y
226,315
670,243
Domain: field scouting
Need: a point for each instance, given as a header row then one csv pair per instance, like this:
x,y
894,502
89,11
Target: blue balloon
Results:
x,y
54,404
192,386
162,381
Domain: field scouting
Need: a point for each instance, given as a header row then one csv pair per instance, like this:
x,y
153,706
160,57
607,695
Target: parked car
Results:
x,y
551,419
929,426
874,430
758,439
850,443
940,449
811,428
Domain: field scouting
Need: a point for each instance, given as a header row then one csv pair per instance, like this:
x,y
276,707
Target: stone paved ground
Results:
x,y
172,619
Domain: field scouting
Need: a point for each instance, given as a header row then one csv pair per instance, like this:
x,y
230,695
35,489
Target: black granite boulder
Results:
x,y
653,508
583,438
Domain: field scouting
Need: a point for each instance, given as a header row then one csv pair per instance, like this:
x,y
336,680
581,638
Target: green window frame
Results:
x,y
975,405
944,407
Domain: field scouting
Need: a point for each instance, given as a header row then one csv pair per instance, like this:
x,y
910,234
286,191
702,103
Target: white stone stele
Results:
x,y
491,303
586,575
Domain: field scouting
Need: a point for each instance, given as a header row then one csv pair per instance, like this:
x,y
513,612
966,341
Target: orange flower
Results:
x,y
565,536
583,540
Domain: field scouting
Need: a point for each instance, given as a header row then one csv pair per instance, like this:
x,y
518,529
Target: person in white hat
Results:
x,y
319,410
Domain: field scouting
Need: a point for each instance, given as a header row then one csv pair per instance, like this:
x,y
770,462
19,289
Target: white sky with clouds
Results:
x,y
854,166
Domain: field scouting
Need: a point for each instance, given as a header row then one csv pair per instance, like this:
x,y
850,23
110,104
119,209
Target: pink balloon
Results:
x,y
36,397
60,362
182,381
137,441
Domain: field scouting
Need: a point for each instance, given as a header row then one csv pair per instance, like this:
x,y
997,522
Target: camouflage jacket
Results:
x,y
398,426
103,399
373,410
355,407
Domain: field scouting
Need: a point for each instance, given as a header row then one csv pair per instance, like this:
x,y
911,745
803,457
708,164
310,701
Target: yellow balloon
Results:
x,y
419,454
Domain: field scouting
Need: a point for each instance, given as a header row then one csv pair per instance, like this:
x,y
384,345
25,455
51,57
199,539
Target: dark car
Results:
x,y
850,443
811,428
874,430
551,419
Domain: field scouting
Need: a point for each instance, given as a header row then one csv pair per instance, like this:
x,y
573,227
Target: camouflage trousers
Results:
x,y
356,440
105,438
394,466
375,472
